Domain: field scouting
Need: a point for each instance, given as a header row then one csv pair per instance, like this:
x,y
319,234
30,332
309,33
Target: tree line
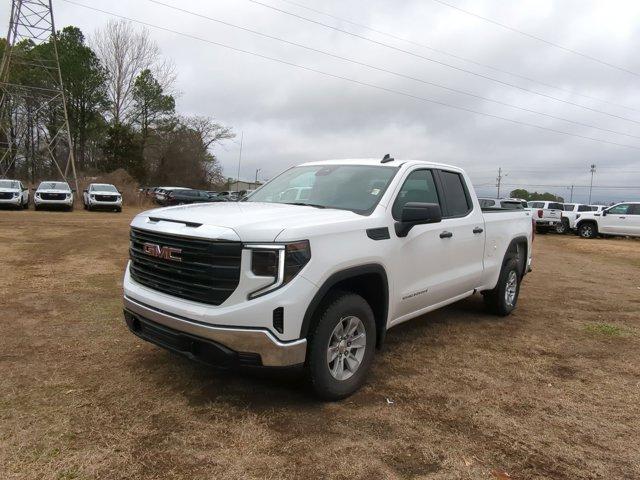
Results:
x,y
121,108
531,196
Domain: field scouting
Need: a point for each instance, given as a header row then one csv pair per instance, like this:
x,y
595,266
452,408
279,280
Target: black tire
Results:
x,y
70,208
338,308
84,205
562,228
497,300
119,209
588,230
36,207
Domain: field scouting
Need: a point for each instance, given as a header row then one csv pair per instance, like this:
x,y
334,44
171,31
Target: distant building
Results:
x,y
239,185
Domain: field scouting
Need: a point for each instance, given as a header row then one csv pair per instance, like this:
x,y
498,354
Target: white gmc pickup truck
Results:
x,y
266,282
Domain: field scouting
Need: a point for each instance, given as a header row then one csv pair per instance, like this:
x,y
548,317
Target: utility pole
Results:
x,y
28,138
239,161
256,182
593,170
499,180
571,197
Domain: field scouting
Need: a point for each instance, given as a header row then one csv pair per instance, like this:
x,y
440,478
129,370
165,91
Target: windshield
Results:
x,y
512,205
358,188
103,187
9,184
54,186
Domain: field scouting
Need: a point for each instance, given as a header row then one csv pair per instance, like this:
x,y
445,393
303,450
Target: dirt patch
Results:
x,y
549,392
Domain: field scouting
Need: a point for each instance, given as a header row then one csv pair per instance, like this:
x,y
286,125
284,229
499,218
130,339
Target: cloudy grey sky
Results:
x,y
291,115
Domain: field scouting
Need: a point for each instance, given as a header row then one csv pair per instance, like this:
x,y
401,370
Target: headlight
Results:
x,y
16,194
37,194
282,262
92,197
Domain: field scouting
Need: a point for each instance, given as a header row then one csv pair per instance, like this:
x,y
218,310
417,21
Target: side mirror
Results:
x,y
73,190
417,213
85,190
604,213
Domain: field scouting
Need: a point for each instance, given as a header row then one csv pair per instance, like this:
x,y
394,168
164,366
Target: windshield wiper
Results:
x,y
302,204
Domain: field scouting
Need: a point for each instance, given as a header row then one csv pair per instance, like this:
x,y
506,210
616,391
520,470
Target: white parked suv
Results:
x,y
317,284
53,194
572,212
14,193
547,215
102,196
620,219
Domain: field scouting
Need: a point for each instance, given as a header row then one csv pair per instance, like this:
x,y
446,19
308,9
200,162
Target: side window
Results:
x,y
621,209
418,187
635,209
486,203
455,194
584,208
537,204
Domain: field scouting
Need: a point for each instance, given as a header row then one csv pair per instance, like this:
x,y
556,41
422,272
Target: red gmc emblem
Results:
x,y
166,253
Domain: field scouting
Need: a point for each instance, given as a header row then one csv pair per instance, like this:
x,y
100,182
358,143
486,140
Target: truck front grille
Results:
x,y
6,195
206,271
53,196
106,198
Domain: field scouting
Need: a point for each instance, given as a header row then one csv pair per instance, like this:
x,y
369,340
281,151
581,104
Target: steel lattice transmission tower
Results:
x,y
34,123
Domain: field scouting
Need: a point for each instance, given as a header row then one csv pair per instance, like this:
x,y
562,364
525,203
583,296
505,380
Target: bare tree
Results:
x,y
209,131
125,52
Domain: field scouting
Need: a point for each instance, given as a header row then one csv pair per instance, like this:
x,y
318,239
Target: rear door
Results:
x,y
465,250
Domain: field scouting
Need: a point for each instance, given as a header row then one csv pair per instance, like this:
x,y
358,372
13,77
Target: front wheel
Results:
x,y
588,230
342,346
503,298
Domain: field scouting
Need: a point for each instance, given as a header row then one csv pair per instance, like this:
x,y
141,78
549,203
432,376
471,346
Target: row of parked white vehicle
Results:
x,y
54,194
588,221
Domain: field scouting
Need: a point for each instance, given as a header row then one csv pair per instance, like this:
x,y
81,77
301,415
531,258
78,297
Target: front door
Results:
x,y
617,220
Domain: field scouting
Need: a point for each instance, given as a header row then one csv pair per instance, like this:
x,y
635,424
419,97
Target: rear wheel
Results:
x,y
503,298
562,227
342,346
588,230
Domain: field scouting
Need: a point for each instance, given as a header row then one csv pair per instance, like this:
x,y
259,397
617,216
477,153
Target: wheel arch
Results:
x,y
369,281
519,248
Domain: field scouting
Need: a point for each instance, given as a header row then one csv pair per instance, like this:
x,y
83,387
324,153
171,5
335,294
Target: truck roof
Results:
x,y
377,161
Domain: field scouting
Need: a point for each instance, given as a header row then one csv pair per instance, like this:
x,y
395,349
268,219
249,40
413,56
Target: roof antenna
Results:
x,y
387,158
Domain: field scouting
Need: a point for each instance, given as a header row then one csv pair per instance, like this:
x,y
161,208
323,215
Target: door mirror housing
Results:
x,y
604,213
417,213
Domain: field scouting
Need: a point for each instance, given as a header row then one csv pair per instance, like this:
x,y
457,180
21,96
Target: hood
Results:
x,y
52,190
252,221
103,192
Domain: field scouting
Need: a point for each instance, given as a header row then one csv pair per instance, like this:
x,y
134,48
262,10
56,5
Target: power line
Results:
x,y
444,64
351,80
458,57
381,69
539,39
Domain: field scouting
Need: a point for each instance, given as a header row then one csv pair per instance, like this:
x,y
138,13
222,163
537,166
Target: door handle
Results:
x,y
478,230
622,218
446,234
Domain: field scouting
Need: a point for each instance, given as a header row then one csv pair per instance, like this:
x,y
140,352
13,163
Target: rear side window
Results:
x,y
418,187
584,208
536,204
635,209
555,206
486,203
455,194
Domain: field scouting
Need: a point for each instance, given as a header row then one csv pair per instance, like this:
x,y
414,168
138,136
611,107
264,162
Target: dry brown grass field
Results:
x,y
551,392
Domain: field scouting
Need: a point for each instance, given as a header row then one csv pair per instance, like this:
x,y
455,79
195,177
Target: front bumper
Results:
x,y
99,204
15,201
67,202
212,344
